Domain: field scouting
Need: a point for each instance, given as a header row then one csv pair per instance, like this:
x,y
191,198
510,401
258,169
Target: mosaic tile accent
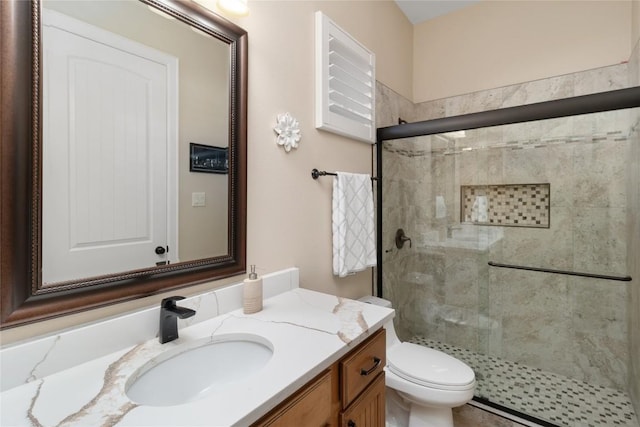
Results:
x,y
516,205
524,144
554,398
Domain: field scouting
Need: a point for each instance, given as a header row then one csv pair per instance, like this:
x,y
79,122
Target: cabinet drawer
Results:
x,y
360,368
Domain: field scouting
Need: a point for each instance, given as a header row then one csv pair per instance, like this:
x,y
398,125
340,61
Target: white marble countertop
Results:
x,y
308,332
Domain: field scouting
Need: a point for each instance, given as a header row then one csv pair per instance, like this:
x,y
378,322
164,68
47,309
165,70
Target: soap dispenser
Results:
x,y
252,293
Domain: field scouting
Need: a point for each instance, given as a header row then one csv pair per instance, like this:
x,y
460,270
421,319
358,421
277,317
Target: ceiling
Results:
x,y
422,10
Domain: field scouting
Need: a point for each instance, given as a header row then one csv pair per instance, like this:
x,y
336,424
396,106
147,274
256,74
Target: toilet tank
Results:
x,y
392,337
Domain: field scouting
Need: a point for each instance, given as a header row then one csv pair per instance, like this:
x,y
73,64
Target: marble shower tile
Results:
x,y
599,307
490,166
536,321
430,110
539,131
560,174
601,79
538,91
390,106
391,192
600,360
466,168
600,240
465,273
542,247
524,166
474,102
603,169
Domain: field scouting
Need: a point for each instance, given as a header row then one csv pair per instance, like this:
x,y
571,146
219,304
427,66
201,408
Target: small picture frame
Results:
x,y
208,159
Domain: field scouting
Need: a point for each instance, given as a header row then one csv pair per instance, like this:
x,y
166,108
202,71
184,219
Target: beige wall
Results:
x,y
635,24
289,214
498,43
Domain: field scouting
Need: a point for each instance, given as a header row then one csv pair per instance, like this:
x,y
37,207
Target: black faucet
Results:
x,y
169,314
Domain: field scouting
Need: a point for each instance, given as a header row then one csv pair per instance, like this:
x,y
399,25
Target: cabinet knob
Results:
x,y
351,423
376,362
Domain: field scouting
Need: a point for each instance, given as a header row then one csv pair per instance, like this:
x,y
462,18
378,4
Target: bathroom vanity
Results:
x,y
315,347
356,387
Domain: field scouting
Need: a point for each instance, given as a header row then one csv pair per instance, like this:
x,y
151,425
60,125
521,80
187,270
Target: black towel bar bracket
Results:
x,y
315,174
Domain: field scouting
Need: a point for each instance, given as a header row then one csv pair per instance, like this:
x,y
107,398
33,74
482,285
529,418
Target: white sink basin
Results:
x,y
193,371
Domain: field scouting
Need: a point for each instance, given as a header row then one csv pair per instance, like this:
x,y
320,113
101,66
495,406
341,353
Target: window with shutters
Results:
x,y
345,83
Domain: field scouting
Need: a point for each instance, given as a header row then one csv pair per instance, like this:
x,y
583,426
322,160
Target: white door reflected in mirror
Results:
x,y
106,198
125,92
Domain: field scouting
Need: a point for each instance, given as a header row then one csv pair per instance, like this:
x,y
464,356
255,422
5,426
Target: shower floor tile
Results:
x,y
544,395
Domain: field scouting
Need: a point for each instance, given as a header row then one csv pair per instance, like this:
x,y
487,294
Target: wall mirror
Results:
x,y
104,197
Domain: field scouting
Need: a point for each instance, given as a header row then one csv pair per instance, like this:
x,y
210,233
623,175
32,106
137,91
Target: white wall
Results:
x,y
498,43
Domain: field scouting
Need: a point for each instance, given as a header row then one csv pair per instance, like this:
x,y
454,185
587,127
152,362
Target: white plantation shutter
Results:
x,y
345,83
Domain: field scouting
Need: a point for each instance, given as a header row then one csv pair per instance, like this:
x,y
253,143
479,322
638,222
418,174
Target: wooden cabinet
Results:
x,y
310,406
351,393
368,409
362,384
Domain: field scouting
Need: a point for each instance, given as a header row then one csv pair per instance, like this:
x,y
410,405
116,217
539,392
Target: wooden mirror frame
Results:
x,y
22,298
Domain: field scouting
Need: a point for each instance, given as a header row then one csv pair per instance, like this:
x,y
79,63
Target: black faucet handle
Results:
x,y
170,302
169,315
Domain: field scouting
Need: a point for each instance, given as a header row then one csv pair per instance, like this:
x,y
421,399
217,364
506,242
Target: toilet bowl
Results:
x,y
429,382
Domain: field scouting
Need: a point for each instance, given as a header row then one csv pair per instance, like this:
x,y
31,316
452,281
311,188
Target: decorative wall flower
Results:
x,y
288,130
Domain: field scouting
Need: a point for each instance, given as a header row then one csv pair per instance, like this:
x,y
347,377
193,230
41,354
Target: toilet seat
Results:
x,y
429,368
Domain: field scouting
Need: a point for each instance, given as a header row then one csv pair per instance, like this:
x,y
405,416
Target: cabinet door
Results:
x,y
310,407
368,409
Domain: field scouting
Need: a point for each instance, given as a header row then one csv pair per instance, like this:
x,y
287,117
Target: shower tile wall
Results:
x,y
390,106
568,325
633,231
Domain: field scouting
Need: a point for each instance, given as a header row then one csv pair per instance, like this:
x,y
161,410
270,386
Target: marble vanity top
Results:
x,y
308,331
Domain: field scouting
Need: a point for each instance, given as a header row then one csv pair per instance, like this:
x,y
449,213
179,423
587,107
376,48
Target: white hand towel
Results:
x,y
354,241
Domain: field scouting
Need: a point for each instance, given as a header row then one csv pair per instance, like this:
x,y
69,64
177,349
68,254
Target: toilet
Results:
x,y
423,382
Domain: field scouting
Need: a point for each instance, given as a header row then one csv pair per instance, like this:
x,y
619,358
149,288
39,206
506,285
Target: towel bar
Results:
x,y
315,173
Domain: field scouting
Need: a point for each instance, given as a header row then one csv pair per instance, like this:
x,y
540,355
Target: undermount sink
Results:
x,y
195,370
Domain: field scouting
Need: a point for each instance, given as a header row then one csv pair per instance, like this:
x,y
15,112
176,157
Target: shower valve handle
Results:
x,y
401,238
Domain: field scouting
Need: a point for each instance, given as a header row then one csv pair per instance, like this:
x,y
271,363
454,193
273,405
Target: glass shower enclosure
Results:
x,y
519,220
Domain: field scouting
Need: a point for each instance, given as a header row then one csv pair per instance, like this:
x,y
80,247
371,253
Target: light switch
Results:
x,y
198,199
